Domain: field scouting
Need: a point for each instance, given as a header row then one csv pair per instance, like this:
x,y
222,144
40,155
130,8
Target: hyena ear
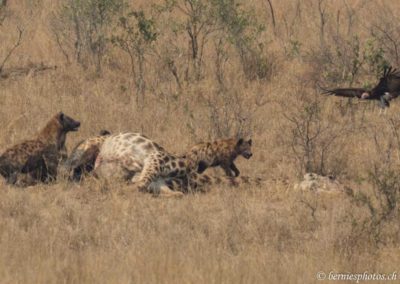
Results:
x,y
250,142
61,116
240,142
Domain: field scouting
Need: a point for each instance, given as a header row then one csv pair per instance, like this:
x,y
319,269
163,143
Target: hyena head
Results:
x,y
243,147
67,123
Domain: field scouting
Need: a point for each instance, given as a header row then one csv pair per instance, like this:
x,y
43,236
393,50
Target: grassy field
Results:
x,y
245,80
90,234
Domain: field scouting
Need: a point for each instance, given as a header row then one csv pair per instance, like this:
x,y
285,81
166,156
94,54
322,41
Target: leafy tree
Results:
x,y
84,25
135,36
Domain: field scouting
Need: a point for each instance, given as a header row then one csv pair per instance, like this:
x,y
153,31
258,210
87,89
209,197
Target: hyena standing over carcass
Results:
x,y
134,157
220,153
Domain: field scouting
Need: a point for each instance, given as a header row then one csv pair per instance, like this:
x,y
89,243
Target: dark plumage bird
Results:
x,y
387,89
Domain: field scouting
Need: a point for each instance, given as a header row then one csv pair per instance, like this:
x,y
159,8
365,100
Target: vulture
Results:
x,y
387,89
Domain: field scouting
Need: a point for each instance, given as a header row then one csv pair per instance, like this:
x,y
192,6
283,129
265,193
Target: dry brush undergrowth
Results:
x,y
185,71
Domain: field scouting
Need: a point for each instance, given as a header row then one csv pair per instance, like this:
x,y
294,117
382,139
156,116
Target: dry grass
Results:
x,y
93,233
82,234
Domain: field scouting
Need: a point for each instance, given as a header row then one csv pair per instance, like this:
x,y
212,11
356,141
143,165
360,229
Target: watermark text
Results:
x,y
356,277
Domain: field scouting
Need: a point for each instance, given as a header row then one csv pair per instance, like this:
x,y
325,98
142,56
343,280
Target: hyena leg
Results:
x,y
24,180
12,178
227,169
63,156
51,169
235,169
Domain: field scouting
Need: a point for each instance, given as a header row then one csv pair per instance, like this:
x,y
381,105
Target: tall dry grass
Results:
x,y
80,234
91,232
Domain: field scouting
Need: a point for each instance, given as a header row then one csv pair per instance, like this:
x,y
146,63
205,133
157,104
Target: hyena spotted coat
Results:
x,y
39,157
220,153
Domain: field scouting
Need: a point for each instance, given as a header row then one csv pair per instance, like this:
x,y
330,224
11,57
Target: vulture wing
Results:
x,y
346,92
389,83
393,82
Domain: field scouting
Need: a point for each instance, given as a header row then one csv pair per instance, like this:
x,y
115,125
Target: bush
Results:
x,y
83,26
135,35
315,136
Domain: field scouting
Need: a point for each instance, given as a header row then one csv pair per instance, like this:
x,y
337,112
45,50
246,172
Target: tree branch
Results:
x,y
20,32
271,8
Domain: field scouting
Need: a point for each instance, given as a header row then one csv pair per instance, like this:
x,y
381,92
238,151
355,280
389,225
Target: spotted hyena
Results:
x,y
220,153
84,155
39,157
136,158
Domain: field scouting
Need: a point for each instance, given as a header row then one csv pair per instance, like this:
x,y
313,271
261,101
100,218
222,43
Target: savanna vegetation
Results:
x,y
185,71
